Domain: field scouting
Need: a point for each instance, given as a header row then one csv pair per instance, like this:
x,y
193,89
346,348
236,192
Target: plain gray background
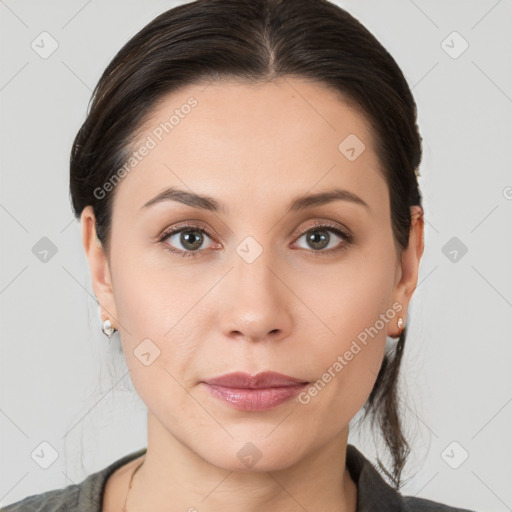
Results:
x,y
64,385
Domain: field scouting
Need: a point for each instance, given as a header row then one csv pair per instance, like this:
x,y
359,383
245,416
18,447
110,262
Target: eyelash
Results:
x,y
348,239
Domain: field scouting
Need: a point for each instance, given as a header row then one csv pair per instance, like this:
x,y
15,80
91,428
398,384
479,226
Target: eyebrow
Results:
x,y
299,203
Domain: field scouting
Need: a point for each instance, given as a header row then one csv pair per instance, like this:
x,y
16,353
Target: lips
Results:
x,y
254,393
241,380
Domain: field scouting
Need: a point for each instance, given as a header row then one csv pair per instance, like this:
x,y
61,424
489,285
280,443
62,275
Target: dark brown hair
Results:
x,y
258,40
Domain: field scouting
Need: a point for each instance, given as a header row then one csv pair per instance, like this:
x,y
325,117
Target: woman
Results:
x,y
246,180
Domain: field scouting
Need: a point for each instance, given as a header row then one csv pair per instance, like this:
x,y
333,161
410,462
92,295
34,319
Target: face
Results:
x,y
252,280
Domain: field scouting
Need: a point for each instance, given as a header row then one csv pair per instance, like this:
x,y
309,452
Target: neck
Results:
x,y
174,478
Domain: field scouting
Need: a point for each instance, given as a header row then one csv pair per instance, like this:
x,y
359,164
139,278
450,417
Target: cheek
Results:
x,y
155,309
152,298
356,308
347,364
351,298
141,311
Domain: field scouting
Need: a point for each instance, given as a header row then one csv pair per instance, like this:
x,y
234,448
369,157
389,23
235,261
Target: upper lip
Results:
x,y
259,380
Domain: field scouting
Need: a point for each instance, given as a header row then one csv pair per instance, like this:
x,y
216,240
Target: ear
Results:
x,y
407,271
98,267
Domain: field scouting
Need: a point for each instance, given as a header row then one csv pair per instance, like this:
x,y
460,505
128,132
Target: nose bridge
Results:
x,y
256,304
252,270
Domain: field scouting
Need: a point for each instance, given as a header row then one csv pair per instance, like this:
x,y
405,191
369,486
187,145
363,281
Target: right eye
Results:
x,y
191,238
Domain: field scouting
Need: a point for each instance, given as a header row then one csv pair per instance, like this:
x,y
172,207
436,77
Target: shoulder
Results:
x,y
58,500
413,504
375,494
83,497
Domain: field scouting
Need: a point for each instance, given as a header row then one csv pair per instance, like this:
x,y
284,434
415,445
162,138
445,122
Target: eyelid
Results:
x,y
181,226
326,224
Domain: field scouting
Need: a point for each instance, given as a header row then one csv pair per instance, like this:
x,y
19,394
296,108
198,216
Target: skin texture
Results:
x,y
293,310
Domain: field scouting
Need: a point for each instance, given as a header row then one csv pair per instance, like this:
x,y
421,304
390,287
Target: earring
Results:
x,y
107,328
400,323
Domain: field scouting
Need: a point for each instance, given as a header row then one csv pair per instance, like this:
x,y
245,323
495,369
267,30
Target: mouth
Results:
x,y
258,392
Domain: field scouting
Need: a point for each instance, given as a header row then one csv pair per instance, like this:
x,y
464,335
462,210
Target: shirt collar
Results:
x,y
373,492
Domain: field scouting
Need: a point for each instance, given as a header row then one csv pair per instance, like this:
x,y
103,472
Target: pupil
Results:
x,y
187,237
319,241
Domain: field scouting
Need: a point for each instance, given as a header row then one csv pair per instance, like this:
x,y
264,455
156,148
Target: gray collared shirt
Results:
x,y
374,494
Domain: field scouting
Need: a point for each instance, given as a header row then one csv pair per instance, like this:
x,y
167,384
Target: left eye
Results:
x,y
319,238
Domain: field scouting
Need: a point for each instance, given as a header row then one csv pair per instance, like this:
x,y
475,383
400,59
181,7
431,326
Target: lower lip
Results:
x,y
260,399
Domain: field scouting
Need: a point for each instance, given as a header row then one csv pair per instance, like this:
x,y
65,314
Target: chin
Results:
x,y
256,455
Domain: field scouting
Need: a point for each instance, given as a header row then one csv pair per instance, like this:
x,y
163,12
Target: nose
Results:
x,y
256,303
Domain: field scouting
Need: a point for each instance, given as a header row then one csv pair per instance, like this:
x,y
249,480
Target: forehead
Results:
x,y
240,140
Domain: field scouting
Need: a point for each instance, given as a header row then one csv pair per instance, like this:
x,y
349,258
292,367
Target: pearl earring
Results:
x,y
107,328
400,323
